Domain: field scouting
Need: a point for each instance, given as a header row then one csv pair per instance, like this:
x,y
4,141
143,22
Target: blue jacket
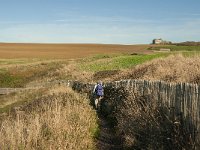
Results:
x,y
99,90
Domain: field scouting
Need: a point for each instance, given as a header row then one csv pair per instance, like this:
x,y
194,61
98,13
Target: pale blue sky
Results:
x,y
99,21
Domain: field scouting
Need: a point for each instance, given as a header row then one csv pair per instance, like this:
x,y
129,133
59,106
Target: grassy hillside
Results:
x,y
45,117
167,66
88,69
119,62
20,74
175,68
57,119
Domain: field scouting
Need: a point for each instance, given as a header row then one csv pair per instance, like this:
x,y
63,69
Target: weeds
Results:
x,y
59,120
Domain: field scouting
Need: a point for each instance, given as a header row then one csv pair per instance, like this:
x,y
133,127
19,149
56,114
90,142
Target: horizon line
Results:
x,y
71,43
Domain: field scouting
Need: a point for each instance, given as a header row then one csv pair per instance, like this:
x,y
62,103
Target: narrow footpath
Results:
x,y
107,140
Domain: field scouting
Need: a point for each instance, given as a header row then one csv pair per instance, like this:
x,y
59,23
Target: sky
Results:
x,y
99,21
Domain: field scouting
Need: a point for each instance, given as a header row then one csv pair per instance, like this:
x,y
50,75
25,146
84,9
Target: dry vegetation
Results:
x,y
73,72
47,117
175,68
143,124
60,119
20,75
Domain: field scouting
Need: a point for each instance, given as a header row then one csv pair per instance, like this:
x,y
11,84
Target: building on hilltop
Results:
x,y
157,41
160,41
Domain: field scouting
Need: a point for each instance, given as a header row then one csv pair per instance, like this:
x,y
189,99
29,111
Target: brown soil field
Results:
x,y
13,50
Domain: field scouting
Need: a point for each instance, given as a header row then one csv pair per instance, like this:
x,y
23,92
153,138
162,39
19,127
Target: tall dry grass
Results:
x,y
175,68
142,123
72,71
62,119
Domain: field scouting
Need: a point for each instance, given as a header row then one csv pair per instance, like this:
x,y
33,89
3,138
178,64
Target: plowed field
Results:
x,y
12,50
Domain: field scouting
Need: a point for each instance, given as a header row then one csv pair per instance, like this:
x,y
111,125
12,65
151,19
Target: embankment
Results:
x,y
58,119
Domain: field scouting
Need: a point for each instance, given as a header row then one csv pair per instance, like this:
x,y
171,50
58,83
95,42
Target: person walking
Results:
x,y
98,93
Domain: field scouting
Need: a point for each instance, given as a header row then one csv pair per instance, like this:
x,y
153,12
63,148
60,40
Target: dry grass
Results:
x,y
175,68
60,120
72,71
142,123
19,98
65,50
16,63
20,75
147,125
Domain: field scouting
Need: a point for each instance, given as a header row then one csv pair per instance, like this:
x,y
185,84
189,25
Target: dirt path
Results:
x,y
107,139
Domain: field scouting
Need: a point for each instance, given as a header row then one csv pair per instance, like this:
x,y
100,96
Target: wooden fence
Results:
x,y
181,99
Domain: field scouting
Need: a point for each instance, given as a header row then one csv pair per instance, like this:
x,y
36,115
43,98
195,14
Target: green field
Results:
x,y
119,62
175,48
